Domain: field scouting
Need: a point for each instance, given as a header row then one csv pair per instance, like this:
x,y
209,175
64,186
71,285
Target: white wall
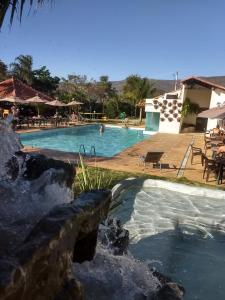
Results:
x,y
164,126
169,127
218,96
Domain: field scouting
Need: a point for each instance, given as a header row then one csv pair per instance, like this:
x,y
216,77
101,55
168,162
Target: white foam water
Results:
x,y
10,144
23,203
115,277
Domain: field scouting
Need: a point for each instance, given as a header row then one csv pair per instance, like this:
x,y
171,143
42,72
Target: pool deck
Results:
x,y
175,161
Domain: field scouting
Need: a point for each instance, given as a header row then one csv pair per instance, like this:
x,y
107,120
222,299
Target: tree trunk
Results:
x,y
140,116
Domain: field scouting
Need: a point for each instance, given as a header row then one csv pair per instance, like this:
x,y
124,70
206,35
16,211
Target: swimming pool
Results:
x,y
107,144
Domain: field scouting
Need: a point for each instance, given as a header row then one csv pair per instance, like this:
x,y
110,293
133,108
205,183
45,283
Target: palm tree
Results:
x,y
14,6
22,68
136,89
3,70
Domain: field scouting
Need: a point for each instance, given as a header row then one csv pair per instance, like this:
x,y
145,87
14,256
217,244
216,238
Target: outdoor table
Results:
x,y
216,143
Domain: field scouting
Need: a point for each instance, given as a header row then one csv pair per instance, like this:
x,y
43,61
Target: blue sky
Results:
x,y
153,38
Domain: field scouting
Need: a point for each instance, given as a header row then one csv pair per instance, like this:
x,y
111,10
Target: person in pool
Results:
x,y
101,128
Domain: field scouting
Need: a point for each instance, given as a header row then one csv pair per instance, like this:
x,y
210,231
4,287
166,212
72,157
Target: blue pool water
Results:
x,y
108,144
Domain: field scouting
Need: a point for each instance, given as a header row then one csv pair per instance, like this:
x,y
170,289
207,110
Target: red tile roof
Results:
x,y
203,82
13,87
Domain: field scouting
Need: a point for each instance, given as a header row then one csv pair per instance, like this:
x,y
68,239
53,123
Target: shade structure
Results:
x,y
36,100
14,87
74,103
55,103
213,113
12,99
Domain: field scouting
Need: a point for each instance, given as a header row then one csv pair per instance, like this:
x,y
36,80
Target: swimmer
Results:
x,y
102,128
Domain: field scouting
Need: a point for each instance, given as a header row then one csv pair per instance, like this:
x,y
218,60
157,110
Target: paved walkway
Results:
x,y
195,171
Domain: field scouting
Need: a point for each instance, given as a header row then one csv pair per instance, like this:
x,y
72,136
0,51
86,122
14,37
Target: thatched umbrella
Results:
x,y
12,99
55,103
74,103
36,100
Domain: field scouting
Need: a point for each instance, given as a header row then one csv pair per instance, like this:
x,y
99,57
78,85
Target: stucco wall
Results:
x,y
169,127
165,126
200,96
218,96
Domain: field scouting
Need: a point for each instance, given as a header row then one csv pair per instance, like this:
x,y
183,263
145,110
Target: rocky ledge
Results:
x,y
40,268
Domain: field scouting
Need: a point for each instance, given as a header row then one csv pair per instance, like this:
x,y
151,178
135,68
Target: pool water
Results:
x,y
109,143
181,232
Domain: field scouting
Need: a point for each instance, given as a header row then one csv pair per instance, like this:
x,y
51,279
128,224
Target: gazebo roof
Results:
x,y
13,87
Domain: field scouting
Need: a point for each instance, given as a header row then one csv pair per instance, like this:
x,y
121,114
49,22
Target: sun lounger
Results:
x,y
153,157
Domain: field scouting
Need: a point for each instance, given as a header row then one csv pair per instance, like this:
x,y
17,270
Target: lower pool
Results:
x,y
109,143
179,230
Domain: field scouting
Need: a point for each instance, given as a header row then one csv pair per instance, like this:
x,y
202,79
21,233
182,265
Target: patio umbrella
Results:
x,y
74,103
55,103
13,99
213,113
36,100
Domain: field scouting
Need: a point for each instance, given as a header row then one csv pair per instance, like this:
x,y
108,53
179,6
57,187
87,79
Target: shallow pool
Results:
x,y
109,143
180,230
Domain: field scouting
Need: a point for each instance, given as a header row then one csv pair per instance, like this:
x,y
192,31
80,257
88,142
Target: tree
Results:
x,y
104,90
15,6
22,68
3,70
137,88
44,82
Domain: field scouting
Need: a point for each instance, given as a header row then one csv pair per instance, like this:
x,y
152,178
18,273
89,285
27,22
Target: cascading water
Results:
x,y
23,203
113,277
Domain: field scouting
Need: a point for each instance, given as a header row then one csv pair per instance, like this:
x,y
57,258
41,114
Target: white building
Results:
x,y
163,113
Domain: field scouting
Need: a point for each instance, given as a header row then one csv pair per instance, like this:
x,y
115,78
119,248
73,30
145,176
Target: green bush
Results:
x,y
89,178
189,108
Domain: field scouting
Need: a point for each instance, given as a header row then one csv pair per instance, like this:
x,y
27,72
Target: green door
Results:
x,y
152,121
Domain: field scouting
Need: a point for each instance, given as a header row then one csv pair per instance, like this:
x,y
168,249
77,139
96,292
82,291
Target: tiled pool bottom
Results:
x,y
109,143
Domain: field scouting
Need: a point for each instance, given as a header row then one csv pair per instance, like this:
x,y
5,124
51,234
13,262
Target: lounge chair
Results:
x,y
152,157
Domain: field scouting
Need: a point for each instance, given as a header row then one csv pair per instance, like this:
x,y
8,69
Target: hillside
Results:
x,y
168,85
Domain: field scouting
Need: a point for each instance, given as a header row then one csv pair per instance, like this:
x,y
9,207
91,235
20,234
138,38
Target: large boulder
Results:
x,y
39,269
37,164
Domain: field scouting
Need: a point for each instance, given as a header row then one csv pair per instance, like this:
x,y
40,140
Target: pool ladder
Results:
x,y
92,151
82,148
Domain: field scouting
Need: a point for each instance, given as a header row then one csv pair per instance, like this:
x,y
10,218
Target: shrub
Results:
x,y
90,178
189,108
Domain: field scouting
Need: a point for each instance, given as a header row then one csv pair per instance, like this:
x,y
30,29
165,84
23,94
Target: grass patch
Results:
x,y
107,179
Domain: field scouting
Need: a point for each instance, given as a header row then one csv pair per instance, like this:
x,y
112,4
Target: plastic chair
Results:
x,y
210,166
195,151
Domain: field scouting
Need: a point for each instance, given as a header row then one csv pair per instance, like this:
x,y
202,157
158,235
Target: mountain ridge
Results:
x,y
165,86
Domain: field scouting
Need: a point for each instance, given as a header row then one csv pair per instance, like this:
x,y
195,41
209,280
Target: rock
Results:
x,y
114,236
38,164
39,268
72,290
170,291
